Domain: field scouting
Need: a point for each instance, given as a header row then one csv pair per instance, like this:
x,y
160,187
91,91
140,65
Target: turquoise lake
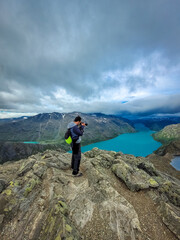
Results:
x,y
140,143
176,162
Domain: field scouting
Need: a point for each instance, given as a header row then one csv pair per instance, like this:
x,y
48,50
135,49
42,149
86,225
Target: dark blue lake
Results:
x,y
176,162
139,144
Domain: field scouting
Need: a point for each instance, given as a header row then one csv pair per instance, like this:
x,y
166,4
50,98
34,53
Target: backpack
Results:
x,y
67,136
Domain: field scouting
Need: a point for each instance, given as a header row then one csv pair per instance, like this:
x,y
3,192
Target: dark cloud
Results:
x,y
91,50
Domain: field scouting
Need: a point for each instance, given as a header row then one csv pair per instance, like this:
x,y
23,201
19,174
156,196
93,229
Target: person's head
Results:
x,y
77,120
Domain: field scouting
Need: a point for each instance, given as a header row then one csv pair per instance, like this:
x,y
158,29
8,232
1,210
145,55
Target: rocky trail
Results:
x,y
119,197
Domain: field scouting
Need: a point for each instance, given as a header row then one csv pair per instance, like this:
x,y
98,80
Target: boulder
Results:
x,y
135,179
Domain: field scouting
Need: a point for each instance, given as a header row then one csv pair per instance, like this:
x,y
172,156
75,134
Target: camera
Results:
x,y
86,124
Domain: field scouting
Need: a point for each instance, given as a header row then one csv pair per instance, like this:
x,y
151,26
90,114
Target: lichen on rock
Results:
x,y
29,187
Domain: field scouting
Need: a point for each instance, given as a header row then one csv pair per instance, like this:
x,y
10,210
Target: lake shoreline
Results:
x,y
140,143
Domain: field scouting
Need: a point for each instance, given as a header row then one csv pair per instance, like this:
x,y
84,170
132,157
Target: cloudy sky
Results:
x,y
110,56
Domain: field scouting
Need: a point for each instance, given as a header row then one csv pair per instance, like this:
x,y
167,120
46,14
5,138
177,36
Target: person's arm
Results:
x,y
78,131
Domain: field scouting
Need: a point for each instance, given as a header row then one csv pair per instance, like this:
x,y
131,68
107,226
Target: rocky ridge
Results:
x,y
119,197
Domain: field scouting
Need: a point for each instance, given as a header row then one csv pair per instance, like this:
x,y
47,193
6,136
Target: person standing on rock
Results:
x,y
77,129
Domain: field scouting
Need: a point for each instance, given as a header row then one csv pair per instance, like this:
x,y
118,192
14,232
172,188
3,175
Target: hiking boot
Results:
x,y
78,175
74,172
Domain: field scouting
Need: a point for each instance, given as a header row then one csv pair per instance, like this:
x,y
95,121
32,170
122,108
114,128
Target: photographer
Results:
x,y
77,129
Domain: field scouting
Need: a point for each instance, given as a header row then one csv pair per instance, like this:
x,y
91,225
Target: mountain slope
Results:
x,y
168,134
50,128
157,123
119,197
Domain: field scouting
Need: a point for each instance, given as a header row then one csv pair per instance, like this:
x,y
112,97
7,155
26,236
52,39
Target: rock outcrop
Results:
x,y
170,148
119,197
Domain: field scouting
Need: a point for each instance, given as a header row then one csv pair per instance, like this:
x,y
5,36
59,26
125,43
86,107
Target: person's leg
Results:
x,y
72,159
76,158
79,157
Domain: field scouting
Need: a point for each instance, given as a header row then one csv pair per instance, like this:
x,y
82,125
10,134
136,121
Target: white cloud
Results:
x,y
147,77
13,114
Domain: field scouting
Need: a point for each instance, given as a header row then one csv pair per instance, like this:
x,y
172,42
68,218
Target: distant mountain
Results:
x,y
50,128
168,134
156,124
7,120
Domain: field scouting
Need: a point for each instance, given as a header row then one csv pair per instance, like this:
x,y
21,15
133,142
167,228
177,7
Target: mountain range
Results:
x,y
47,129
50,128
156,123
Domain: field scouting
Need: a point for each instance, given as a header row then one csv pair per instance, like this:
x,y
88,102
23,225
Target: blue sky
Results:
x,y
110,56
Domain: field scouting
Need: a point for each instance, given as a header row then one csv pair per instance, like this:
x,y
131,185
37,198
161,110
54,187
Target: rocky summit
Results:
x,y
119,197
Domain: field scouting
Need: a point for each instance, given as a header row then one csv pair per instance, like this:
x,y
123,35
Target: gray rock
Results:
x,y
100,199
93,153
94,176
106,160
148,168
40,170
135,179
171,217
1,218
3,202
169,189
3,185
26,168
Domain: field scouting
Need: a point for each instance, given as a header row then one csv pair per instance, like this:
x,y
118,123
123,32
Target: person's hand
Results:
x,y
83,124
